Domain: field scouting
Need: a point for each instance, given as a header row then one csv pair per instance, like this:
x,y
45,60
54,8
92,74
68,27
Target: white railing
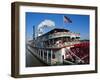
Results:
x,y
59,34
63,44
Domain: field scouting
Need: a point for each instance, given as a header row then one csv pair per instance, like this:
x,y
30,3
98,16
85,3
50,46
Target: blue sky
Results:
x,y
80,23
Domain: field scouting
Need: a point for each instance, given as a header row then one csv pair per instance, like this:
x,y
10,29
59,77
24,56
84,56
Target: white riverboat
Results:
x,y
59,47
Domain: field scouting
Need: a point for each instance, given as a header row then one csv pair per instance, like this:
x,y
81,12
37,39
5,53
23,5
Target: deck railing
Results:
x,y
60,34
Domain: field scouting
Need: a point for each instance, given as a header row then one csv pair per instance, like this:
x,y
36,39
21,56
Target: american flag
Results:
x,y
66,19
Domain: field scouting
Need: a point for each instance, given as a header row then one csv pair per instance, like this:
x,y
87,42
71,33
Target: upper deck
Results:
x,y
58,33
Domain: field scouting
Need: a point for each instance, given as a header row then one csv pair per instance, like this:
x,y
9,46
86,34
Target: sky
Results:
x,y
80,23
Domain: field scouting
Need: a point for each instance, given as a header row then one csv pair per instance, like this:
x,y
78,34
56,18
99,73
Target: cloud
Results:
x,y
46,23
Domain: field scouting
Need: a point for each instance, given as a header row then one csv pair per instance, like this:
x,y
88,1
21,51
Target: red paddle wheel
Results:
x,y
79,53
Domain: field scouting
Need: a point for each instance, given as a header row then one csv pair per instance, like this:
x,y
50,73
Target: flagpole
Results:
x,y
63,22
